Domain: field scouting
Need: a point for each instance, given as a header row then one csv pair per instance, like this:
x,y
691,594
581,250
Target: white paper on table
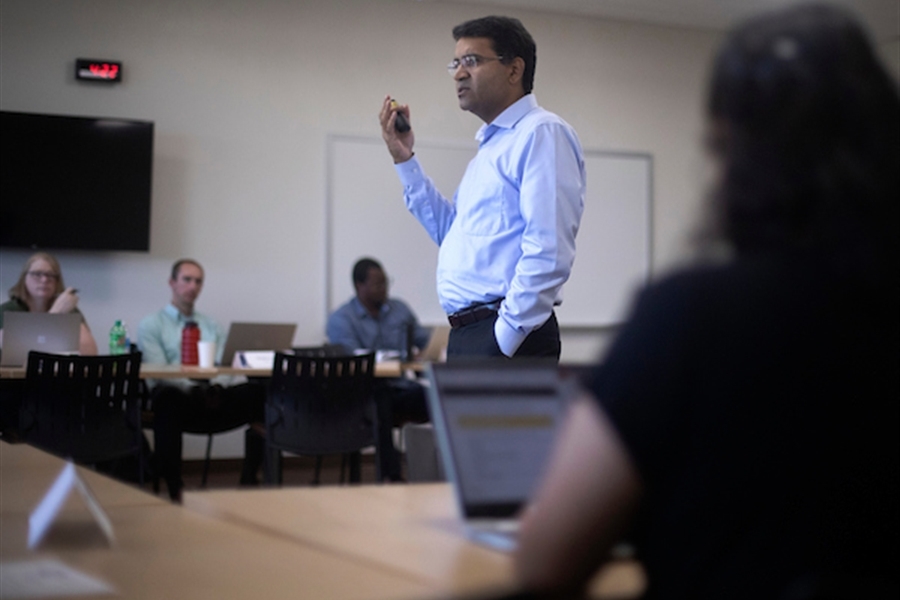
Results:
x,y
46,578
253,359
42,517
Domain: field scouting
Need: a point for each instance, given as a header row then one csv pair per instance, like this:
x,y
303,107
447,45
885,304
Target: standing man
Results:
x,y
374,321
192,406
507,241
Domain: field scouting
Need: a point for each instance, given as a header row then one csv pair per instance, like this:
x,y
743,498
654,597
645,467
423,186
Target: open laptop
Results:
x,y
495,425
45,332
435,350
257,336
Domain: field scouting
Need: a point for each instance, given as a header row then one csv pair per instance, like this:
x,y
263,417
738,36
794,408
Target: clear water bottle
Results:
x,y
118,338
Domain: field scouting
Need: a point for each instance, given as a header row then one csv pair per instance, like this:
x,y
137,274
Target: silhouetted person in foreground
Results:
x,y
743,431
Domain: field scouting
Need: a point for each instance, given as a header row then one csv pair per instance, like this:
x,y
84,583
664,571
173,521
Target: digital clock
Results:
x,y
98,70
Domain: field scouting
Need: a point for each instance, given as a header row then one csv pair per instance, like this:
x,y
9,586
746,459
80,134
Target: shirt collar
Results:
x,y
362,312
176,314
508,118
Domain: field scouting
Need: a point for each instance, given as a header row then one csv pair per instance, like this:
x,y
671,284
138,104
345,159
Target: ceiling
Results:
x,y
881,16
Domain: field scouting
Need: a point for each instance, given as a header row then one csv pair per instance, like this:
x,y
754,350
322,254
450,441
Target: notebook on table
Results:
x,y
257,336
495,426
45,332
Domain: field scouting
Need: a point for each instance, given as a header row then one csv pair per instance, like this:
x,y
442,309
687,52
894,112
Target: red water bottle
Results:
x,y
190,335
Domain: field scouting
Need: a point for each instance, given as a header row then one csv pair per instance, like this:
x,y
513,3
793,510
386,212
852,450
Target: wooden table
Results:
x,y
366,542
390,368
408,530
26,473
167,551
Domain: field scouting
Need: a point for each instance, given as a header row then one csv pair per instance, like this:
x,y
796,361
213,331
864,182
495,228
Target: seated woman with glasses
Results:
x,y
40,288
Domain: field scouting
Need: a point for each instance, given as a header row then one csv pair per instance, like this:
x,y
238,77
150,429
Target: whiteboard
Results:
x,y
366,216
614,245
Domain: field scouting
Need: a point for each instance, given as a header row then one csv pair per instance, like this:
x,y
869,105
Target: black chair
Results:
x,y
210,429
319,403
87,408
323,350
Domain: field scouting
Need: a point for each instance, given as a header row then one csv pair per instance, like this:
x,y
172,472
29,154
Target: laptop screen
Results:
x,y
257,336
45,332
495,425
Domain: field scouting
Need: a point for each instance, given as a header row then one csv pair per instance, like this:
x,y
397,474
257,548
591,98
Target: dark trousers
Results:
x,y
477,340
398,401
204,409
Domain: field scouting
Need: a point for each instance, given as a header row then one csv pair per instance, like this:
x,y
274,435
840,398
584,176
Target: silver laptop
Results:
x,y
495,424
45,332
257,336
436,349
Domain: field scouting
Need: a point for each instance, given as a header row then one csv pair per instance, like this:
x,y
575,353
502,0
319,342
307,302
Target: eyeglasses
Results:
x,y
469,61
43,275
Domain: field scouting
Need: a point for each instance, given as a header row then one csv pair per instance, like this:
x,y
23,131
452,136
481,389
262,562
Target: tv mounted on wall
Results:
x,y
75,183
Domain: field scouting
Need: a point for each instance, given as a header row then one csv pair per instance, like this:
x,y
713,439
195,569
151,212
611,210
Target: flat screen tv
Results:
x,y
75,183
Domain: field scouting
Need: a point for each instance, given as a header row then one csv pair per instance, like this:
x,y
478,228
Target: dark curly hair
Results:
x,y
361,269
806,123
509,39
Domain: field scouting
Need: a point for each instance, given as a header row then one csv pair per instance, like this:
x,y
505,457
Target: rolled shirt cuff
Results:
x,y
410,172
508,339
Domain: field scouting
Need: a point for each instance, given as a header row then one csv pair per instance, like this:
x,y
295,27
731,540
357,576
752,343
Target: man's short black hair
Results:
x,y
509,39
176,268
361,269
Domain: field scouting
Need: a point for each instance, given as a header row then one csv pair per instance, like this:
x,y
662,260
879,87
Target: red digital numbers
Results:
x,y
98,70
104,70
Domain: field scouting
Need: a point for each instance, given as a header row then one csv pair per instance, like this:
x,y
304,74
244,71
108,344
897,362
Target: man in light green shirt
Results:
x,y
190,406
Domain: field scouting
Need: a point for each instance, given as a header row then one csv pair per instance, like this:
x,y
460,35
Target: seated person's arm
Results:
x,y
67,302
151,343
422,335
339,330
585,502
221,336
87,346
152,346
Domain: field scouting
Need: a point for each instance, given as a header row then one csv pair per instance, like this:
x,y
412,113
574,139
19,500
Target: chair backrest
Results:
x,y
321,404
323,350
83,407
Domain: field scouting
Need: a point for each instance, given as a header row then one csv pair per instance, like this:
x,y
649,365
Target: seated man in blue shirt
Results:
x,y
192,406
373,321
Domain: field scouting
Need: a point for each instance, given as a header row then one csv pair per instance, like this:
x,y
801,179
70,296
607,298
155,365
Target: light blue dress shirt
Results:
x,y
352,326
510,230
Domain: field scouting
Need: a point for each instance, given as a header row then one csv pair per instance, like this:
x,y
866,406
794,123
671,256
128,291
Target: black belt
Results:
x,y
474,313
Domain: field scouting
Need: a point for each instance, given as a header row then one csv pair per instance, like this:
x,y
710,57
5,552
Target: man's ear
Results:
x,y
517,70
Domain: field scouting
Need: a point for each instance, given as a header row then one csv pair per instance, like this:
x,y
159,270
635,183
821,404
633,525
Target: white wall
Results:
x,y
243,95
